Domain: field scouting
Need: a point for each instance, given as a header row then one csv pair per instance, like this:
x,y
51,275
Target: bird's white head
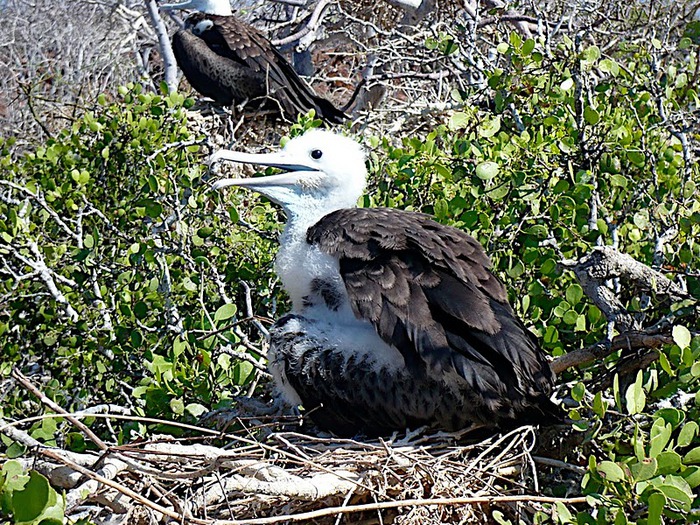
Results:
x,y
323,172
210,7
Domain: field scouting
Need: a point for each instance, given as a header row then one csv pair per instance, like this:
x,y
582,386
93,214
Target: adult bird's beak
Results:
x,y
294,169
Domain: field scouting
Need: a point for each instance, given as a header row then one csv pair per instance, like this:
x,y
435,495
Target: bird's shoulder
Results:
x,y
373,236
231,35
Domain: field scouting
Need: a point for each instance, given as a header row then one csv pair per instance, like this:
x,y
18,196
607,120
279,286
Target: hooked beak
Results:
x,y
278,160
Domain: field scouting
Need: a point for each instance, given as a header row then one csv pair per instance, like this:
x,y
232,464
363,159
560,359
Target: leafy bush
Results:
x,y
118,270
122,273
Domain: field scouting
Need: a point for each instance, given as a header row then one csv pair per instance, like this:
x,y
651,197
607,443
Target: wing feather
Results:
x,y
234,40
429,291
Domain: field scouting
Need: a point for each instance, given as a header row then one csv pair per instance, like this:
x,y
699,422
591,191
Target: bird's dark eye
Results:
x,y
316,154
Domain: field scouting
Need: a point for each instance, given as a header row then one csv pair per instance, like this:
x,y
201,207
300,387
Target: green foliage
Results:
x,y
126,270
650,462
28,498
121,278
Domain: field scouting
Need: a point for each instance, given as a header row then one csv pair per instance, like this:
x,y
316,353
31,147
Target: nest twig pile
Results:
x,y
267,471
291,476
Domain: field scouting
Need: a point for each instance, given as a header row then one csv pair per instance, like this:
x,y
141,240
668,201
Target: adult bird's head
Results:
x,y
323,172
210,7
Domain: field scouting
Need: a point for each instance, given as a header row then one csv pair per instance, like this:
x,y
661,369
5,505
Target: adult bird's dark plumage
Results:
x,y
231,62
397,320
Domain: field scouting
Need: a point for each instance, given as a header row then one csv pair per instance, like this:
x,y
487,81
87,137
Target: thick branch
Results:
x,y
166,50
627,341
605,263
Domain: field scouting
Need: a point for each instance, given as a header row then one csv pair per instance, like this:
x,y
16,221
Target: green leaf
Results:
x,y
551,335
643,470
668,462
599,406
635,397
591,54
610,471
691,475
681,336
660,434
678,493
570,317
578,391
636,157
656,504
609,66
458,120
574,293
618,180
225,312
177,406
692,457
528,46
616,391
487,170
563,513
500,518
687,434
673,416
141,310
591,115
490,127
196,409
641,219
29,503
13,476
205,231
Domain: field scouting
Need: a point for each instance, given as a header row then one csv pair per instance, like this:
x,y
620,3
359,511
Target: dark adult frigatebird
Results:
x,y
231,62
397,321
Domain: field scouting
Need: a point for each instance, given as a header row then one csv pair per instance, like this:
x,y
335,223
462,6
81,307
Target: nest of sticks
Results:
x,y
285,476
270,469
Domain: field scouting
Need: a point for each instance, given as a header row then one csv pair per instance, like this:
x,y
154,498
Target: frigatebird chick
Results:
x,y
397,321
231,62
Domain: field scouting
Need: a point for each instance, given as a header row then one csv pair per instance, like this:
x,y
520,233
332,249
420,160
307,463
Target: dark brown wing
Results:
x,y
213,75
246,47
429,291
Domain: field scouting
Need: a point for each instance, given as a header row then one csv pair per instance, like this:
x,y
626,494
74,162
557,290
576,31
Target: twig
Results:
x,y
559,464
47,275
39,199
310,28
383,505
27,384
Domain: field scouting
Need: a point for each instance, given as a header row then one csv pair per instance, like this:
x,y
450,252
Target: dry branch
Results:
x,y
166,50
605,263
628,341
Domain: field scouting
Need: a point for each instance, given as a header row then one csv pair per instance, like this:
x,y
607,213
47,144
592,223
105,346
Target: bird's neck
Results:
x,y
298,263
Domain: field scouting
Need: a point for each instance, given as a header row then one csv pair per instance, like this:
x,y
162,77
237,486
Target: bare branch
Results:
x,y
605,263
628,341
166,50
47,276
